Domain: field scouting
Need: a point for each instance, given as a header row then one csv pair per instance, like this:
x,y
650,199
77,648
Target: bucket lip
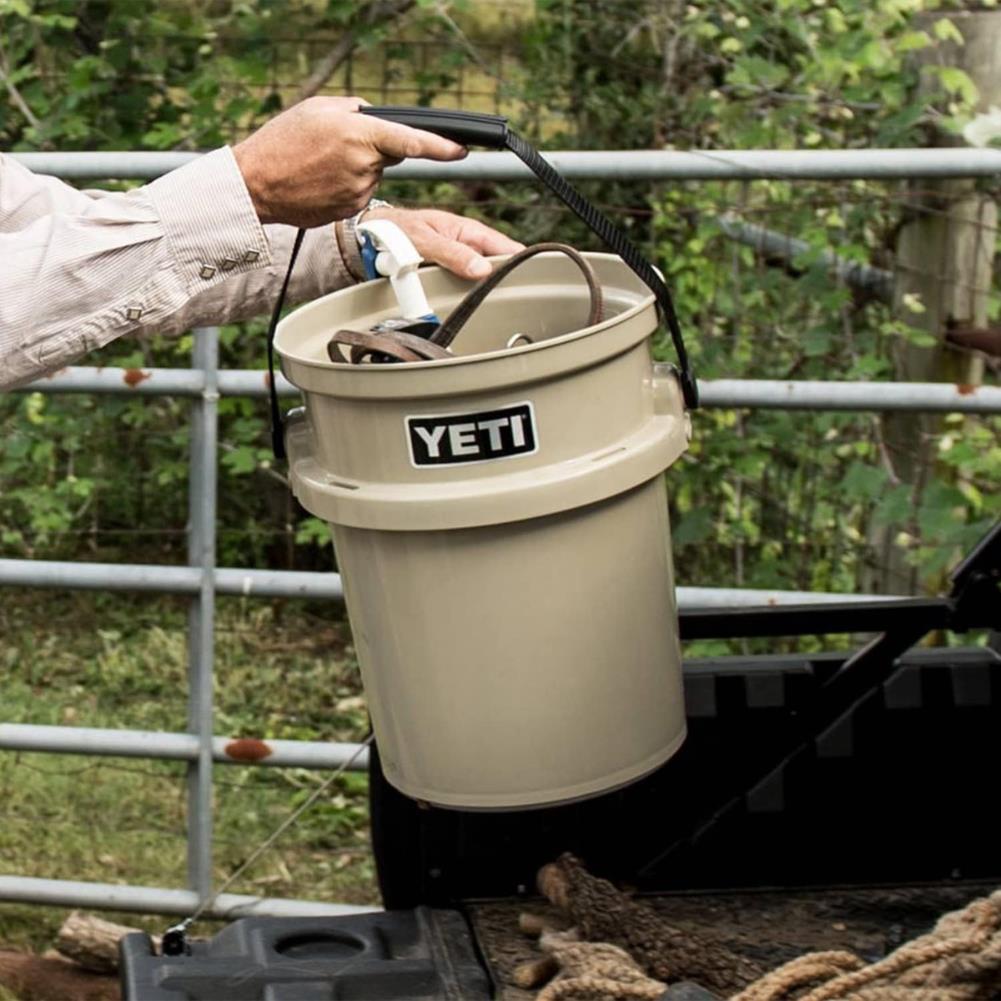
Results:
x,y
437,364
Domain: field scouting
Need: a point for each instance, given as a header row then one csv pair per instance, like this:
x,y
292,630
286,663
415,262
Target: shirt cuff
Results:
x,y
209,220
347,244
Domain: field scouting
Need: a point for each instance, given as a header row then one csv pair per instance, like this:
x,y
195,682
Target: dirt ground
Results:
x,y
770,928
49,978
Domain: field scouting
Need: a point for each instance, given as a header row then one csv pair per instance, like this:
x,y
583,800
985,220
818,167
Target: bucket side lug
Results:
x,y
669,394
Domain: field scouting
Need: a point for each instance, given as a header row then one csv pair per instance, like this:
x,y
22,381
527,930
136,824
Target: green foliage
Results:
x,y
770,498
82,477
778,499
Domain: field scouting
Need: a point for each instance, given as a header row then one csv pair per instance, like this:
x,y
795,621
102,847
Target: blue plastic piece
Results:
x,y
368,256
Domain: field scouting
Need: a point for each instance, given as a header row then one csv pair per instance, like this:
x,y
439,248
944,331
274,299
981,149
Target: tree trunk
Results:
x,y
944,257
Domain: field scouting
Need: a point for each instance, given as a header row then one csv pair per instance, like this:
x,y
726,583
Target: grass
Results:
x,y
282,671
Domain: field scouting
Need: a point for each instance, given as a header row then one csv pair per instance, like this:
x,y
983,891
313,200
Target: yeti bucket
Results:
x,y
500,521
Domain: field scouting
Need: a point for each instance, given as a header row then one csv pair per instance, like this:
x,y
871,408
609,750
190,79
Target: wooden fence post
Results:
x,y
944,261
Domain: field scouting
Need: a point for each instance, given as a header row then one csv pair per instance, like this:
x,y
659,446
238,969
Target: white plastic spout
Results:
x,y
398,260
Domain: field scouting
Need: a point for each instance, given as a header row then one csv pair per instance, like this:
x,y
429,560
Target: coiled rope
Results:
x,y
958,960
613,936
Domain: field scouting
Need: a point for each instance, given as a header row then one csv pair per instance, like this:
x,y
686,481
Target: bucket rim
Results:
x,y
483,357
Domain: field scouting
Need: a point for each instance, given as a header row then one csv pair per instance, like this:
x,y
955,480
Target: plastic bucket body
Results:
x,y
500,521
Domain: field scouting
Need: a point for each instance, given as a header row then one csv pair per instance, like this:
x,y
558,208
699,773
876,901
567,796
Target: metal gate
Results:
x,y
201,579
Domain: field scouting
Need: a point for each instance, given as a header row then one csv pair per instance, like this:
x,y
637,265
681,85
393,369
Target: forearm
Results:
x,y
320,269
186,250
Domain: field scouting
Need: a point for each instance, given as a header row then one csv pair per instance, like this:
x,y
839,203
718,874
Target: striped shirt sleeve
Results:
x,y
81,268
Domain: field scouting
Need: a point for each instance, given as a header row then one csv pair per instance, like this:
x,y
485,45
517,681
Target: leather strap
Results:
x,y
459,316
397,344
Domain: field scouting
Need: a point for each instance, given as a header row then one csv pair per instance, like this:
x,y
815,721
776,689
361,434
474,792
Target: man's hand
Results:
x,y
321,160
461,245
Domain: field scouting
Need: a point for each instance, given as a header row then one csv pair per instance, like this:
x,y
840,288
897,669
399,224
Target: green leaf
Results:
x,y
695,526
19,8
313,531
895,507
946,31
913,41
816,342
864,481
241,461
918,337
939,516
958,82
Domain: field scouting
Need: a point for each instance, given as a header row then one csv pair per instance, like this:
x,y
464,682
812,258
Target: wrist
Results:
x,y
351,225
253,180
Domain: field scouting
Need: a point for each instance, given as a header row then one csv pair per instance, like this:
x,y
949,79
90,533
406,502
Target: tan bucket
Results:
x,y
500,521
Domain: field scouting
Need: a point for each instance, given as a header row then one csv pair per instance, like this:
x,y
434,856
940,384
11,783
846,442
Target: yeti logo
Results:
x,y
450,439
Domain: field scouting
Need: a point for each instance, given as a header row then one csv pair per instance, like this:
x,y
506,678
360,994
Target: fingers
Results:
x,y
486,239
400,142
459,244
472,232
459,258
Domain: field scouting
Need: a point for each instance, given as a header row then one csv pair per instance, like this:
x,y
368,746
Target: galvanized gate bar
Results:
x,y
914,397
606,165
166,746
770,394
202,489
303,584
161,900
169,579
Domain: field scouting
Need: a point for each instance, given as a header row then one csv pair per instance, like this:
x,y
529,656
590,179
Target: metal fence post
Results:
x,y
202,485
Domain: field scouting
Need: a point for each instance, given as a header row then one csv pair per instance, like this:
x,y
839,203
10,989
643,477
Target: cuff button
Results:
x,y
251,255
228,263
206,271
133,313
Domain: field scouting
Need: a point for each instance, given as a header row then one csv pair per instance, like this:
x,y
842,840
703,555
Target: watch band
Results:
x,y
374,203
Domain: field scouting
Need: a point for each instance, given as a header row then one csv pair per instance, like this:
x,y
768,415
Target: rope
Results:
x,y
958,960
595,971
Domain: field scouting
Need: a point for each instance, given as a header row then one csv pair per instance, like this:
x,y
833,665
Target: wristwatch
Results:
x,y
374,203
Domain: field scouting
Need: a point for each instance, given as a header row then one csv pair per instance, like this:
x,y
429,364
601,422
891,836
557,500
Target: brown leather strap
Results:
x,y
396,344
459,316
399,345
